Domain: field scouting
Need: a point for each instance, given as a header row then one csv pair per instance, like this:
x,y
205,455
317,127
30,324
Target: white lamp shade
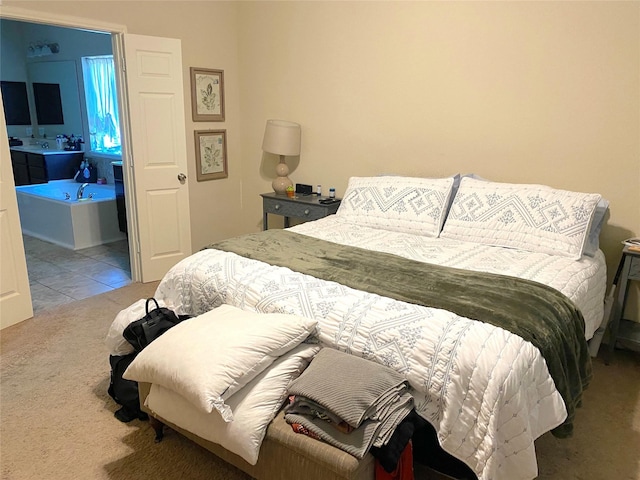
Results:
x,y
282,138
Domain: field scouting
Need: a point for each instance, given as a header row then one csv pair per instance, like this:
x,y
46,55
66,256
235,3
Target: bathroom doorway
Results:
x,y
157,190
56,274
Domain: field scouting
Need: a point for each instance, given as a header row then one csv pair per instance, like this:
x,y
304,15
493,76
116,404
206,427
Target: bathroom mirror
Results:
x,y
63,97
15,102
48,103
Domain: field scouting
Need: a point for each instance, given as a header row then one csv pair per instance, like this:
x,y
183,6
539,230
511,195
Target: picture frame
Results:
x,y
211,154
207,95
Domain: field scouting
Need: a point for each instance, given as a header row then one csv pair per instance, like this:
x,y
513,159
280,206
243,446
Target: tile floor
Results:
x,y
58,275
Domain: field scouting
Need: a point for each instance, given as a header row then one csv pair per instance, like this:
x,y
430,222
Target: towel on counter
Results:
x,y
338,387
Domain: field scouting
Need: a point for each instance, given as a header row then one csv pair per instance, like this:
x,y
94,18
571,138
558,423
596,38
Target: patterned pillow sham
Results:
x,y
400,204
535,218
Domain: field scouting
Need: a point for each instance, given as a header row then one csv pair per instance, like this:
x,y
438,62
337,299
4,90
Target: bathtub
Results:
x,y
52,212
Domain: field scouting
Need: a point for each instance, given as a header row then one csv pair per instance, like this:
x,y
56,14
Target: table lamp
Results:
x,y
282,138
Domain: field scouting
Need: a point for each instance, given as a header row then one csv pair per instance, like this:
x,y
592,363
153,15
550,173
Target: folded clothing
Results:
x,y
403,469
389,456
371,398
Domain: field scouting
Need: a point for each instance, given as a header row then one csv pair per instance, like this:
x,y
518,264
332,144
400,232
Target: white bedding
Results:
x,y
583,281
487,392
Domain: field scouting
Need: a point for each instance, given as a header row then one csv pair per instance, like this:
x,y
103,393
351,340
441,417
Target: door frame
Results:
x,y
117,32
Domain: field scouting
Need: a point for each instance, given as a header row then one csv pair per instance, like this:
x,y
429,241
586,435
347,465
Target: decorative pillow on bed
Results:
x,y
254,406
209,357
400,204
535,218
593,242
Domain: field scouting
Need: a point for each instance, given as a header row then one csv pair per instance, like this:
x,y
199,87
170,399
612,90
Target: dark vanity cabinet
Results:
x,y
30,168
20,168
62,165
37,168
120,204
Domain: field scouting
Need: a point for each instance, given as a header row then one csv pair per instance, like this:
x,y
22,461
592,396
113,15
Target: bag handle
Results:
x,y
154,301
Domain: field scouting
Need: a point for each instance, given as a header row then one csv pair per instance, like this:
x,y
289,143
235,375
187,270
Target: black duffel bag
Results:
x,y
141,333
123,391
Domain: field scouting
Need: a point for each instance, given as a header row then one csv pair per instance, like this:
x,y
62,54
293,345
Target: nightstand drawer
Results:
x,y
290,209
305,208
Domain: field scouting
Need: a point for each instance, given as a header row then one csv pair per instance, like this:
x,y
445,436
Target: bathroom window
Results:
x,y
102,104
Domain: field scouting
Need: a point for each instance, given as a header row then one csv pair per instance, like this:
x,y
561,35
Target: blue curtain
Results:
x,y
102,103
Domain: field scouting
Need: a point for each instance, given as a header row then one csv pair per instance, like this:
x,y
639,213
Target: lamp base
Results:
x,y
280,185
281,182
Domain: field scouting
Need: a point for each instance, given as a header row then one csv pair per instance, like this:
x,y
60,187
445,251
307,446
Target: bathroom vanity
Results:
x,y
118,181
39,165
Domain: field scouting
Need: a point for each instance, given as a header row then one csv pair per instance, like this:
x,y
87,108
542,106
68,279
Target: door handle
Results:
x,y
182,177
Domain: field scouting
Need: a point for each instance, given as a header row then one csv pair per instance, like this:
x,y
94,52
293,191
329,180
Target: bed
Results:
x,y
482,294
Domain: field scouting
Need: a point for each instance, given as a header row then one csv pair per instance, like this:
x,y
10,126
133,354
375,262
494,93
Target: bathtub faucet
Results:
x,y
81,190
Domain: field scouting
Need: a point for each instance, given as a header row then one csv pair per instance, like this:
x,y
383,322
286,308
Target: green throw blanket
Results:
x,y
535,312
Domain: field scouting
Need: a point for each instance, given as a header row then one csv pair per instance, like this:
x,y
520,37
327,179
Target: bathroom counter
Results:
x,y
42,151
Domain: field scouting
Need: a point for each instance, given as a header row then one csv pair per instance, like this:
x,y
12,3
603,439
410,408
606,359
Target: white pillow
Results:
x,y
114,341
254,406
209,357
593,241
535,218
400,204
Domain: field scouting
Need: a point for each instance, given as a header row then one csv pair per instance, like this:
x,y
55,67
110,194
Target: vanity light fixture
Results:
x,y
42,49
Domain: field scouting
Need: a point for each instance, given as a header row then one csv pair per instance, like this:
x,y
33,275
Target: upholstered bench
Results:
x,y
285,454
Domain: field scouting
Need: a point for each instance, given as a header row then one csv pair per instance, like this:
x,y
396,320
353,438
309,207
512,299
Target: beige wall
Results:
x,y
540,92
536,92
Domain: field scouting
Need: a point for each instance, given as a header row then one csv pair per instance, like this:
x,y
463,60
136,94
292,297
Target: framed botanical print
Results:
x,y
211,154
207,95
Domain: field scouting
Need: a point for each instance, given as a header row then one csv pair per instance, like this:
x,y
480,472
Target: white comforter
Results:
x,y
487,392
583,281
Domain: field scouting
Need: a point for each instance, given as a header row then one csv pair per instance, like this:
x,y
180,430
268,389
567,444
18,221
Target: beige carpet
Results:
x,y
56,419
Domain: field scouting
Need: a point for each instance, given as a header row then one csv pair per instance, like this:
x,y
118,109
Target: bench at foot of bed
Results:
x,y
283,454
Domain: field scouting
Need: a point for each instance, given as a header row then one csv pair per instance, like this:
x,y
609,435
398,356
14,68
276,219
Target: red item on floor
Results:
x,y
404,470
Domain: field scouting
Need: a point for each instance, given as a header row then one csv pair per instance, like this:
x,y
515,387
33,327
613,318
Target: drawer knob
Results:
x,y
306,212
277,206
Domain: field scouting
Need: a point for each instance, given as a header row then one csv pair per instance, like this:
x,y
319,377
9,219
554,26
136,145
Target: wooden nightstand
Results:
x,y
621,329
306,207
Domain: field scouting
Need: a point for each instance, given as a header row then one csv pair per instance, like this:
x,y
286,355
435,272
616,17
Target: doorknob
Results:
x,y
182,177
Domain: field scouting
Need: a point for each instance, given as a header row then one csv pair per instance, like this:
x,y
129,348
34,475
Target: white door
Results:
x,y
15,294
157,152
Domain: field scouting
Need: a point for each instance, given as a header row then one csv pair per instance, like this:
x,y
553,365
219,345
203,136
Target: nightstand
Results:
x,y
306,207
621,329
